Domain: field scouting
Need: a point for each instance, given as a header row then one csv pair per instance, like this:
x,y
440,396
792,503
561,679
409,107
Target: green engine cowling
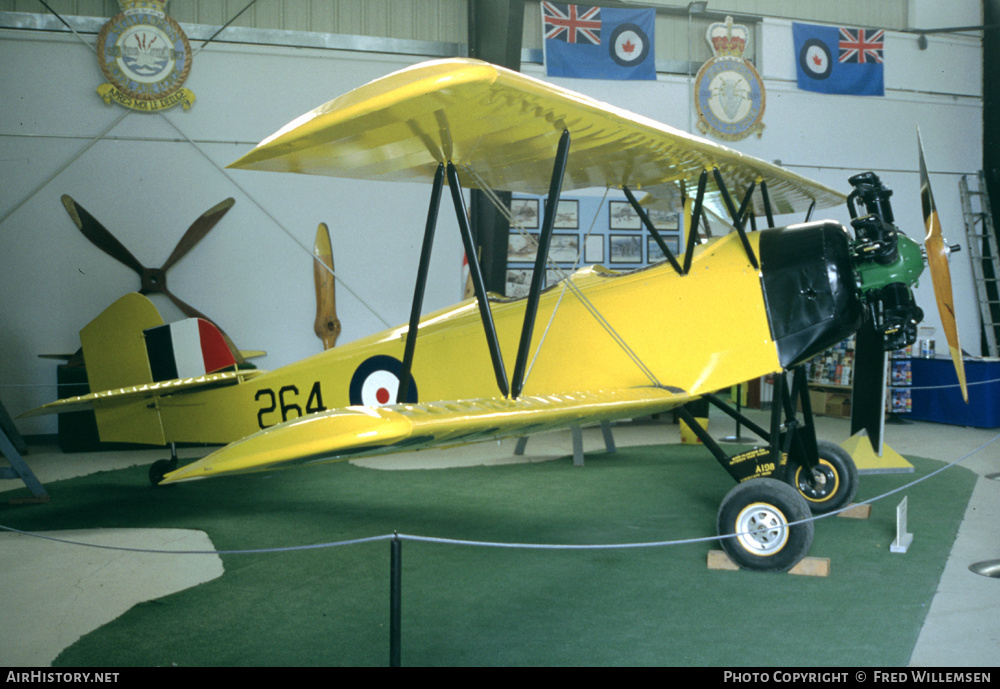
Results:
x,y
907,268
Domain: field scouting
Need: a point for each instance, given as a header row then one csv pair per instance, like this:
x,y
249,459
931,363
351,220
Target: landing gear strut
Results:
x,y
792,477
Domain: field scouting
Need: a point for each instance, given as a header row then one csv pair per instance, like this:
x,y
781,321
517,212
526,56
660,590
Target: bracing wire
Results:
x,y
566,279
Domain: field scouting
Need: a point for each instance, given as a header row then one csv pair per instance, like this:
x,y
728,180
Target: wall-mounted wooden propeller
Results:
x,y
152,279
327,325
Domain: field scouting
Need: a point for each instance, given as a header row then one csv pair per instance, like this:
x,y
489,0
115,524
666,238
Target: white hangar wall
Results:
x,y
150,176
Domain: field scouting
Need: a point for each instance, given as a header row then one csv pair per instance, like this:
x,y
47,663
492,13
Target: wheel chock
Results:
x,y
807,566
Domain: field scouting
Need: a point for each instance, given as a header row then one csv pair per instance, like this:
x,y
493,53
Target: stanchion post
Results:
x,y
739,399
395,591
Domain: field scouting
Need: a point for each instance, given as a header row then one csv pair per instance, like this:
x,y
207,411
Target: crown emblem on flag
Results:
x,y
727,39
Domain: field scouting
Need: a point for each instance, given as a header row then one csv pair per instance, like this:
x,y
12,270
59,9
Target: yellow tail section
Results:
x,y
114,352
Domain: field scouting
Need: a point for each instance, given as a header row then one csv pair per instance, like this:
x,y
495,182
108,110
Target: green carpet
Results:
x,y
484,606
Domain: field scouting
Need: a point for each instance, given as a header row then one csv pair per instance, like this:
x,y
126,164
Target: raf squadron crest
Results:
x,y
145,57
729,93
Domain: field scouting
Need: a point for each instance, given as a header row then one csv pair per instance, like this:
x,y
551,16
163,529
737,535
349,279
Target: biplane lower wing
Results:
x,y
353,432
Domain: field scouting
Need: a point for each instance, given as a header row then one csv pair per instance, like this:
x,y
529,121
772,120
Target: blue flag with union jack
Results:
x,y
839,60
598,42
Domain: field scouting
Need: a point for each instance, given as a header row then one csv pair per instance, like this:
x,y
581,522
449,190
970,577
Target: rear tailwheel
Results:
x,y
761,513
834,480
162,467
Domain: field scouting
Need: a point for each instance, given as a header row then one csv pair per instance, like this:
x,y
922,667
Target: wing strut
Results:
x,y
541,256
418,290
692,239
653,231
476,273
809,213
737,221
767,203
743,216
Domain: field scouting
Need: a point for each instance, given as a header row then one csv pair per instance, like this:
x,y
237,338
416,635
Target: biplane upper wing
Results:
x,y
353,432
500,128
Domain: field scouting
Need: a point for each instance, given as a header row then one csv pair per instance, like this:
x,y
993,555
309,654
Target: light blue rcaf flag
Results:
x,y
830,59
598,42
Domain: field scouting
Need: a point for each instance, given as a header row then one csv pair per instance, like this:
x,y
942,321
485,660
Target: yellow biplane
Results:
x,y
615,345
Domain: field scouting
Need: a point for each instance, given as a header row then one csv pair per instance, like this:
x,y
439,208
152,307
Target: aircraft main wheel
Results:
x,y
835,479
159,469
759,512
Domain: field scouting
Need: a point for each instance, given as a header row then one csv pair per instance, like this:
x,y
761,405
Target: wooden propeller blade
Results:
x,y
99,236
937,262
327,326
198,230
153,280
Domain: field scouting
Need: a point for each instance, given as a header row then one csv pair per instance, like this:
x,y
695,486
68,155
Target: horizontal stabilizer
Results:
x,y
144,391
353,432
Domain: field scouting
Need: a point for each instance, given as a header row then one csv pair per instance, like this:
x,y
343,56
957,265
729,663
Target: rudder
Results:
x,y
114,352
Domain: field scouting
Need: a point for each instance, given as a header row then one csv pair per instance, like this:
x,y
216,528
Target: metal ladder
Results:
x,y
12,446
982,243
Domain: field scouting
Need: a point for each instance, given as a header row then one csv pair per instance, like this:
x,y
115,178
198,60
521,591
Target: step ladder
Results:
x,y
12,446
982,242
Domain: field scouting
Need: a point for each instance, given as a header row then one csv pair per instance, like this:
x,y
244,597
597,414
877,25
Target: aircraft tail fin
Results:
x,y
114,347
129,345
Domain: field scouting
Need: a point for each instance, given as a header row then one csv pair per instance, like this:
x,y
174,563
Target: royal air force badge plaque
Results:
x,y
729,93
146,57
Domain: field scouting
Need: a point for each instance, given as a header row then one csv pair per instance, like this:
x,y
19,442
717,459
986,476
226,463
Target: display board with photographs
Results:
x,y
588,230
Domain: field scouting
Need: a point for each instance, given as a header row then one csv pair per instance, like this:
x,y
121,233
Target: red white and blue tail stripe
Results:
x,y
186,349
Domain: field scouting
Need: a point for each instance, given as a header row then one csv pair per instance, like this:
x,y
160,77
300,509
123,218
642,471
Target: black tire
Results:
x,y
837,479
159,469
758,512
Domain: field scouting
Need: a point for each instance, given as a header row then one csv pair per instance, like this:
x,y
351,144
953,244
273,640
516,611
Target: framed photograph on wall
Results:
x,y
565,248
524,213
522,247
653,252
518,282
567,215
665,220
593,249
621,216
626,248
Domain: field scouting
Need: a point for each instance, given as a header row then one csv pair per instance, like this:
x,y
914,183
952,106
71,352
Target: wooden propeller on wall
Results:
x,y
153,280
327,325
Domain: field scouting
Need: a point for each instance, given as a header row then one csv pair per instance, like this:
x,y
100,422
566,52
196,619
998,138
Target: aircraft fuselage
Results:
x,y
721,324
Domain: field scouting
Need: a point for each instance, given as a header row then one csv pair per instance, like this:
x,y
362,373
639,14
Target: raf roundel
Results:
x,y
815,59
375,383
629,45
